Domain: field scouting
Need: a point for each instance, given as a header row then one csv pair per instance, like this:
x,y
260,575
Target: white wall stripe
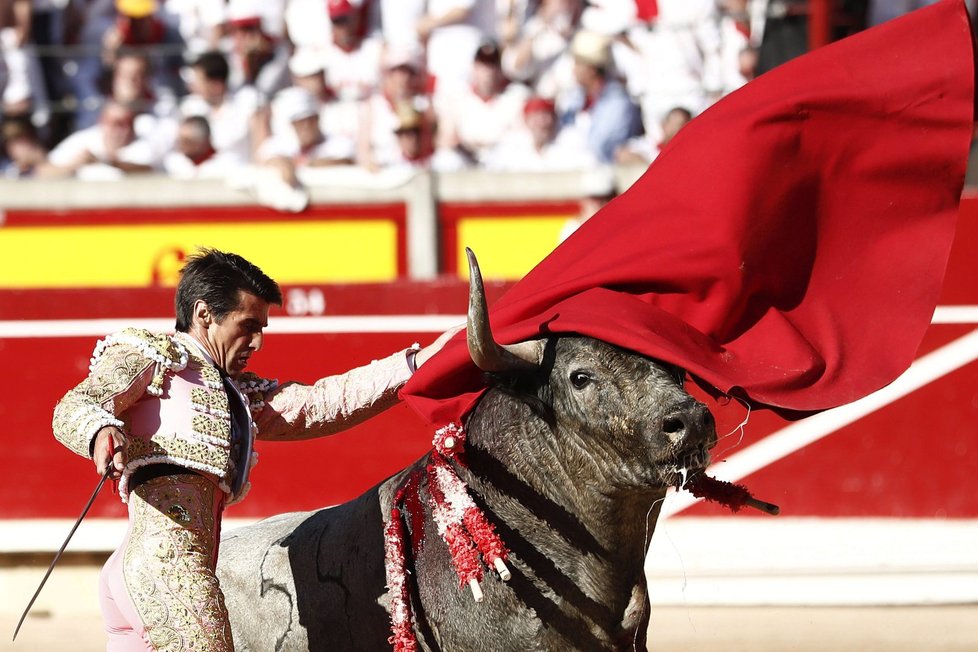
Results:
x,y
21,328
955,315
32,328
786,441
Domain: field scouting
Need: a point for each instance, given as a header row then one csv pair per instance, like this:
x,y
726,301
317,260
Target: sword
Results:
x,y
64,545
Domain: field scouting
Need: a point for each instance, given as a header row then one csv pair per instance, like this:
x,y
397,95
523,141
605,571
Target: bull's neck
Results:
x,y
563,531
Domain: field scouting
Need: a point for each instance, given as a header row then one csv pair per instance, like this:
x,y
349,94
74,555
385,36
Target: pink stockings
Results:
x,y
158,590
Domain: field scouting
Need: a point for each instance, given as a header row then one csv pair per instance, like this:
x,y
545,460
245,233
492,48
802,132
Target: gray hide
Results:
x,y
570,462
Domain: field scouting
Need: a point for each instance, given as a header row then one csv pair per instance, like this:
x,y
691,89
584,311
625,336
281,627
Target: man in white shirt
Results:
x,y
194,156
540,144
352,60
108,149
473,119
230,115
451,31
307,146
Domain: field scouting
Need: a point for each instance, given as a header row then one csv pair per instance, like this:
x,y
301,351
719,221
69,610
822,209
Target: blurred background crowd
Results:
x,y
205,88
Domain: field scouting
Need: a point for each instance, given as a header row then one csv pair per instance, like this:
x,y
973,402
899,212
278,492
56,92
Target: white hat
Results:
x,y
305,62
296,103
592,48
402,55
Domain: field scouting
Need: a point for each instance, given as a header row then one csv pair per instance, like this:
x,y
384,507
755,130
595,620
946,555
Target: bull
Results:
x,y
570,453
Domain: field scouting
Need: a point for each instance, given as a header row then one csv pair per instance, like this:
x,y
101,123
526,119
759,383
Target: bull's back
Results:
x,y
308,580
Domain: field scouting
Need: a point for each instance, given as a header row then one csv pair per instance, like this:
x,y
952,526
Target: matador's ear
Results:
x,y
202,312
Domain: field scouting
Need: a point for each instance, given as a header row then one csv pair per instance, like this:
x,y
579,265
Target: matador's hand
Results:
x,y
110,449
437,345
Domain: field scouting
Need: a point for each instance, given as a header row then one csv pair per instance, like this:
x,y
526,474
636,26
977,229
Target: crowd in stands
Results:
x,y
203,88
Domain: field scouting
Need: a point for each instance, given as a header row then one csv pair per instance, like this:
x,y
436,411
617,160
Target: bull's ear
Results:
x,y
528,390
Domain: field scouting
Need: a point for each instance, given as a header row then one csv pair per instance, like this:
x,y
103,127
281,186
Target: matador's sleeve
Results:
x,y
124,366
332,404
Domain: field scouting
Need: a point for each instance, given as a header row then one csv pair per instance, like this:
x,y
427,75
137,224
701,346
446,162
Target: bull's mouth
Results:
x,y
674,472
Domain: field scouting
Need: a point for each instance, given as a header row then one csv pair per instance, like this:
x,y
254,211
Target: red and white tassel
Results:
x,y
465,556
402,628
483,533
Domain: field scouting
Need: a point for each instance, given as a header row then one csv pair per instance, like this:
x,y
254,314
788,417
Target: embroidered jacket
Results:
x,y
171,403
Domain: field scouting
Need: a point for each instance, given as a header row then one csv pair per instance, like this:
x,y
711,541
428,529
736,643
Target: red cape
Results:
x,y
787,246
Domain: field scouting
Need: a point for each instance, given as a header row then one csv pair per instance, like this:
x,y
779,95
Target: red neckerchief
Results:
x,y
209,154
591,98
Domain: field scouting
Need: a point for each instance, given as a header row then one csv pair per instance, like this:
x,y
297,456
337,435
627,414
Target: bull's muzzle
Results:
x,y
690,425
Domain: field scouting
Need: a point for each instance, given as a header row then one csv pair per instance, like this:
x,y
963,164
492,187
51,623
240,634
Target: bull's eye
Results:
x,y
579,379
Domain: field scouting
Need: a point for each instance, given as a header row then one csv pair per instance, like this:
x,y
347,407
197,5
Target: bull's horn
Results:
x,y
486,353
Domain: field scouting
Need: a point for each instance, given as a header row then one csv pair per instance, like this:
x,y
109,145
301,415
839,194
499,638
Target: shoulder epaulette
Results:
x,y
168,354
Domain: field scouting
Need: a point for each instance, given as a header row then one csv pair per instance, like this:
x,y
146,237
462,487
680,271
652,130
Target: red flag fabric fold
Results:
x,y
787,246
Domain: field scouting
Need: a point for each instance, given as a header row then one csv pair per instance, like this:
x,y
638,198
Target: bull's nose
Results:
x,y
693,424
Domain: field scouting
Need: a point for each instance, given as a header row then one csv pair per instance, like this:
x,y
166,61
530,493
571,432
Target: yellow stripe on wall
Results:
x,y
131,255
507,247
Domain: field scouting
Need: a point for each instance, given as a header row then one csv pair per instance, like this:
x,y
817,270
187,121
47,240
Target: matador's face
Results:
x,y
233,340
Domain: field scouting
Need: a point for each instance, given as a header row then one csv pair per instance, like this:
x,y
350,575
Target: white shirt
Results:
x,y
218,166
353,75
678,59
517,153
479,123
335,148
230,123
139,152
452,48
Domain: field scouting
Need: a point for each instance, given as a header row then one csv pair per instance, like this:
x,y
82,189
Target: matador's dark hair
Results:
x,y
216,277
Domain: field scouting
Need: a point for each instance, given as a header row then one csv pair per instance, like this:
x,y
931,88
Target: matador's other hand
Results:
x,y
436,346
110,450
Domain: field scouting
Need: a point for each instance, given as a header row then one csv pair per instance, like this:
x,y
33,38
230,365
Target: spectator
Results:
x,y
259,54
642,150
47,29
451,31
675,57
231,116
401,84
22,89
108,149
22,150
352,61
143,25
599,109
540,145
194,156
474,118
86,24
536,56
336,118
736,49
132,83
413,149
308,145
156,107
199,22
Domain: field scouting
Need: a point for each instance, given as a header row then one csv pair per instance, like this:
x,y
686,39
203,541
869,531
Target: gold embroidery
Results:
x,y
169,565
191,453
209,426
90,405
210,401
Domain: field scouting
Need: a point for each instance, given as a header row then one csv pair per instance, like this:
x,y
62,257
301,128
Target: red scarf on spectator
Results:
x,y
787,246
